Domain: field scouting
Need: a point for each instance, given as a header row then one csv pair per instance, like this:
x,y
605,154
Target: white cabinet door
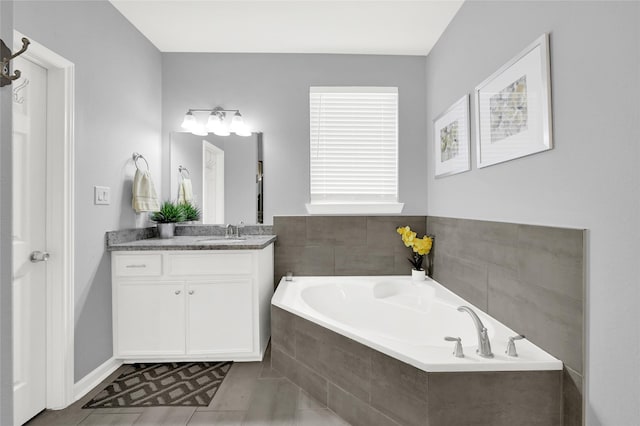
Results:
x,y
150,318
220,316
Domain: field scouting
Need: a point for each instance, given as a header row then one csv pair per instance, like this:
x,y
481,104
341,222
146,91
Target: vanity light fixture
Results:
x,y
215,122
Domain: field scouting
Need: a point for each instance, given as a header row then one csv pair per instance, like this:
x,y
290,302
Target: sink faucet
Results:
x,y
484,346
229,231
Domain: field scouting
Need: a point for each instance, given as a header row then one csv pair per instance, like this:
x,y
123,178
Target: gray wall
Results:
x,y
6,207
589,180
118,111
272,92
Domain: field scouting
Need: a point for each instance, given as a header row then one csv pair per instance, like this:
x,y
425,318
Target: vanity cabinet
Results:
x,y
189,305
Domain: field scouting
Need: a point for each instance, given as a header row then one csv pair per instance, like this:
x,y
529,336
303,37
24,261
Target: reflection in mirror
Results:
x,y
224,173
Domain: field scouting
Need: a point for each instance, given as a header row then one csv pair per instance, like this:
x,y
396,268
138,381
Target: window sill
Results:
x,y
354,208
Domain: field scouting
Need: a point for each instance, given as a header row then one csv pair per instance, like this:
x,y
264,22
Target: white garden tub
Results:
x,y
407,320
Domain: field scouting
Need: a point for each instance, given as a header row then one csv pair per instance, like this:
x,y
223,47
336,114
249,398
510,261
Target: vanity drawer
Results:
x,y
209,264
138,265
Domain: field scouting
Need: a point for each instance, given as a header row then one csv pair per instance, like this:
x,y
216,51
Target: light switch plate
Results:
x,y
102,195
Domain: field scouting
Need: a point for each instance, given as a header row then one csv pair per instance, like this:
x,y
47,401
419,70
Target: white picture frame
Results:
x,y
513,108
451,139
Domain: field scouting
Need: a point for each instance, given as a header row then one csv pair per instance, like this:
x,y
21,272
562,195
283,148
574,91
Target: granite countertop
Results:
x,y
196,242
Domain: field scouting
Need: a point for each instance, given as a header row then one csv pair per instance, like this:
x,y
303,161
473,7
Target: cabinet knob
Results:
x,y
178,292
191,291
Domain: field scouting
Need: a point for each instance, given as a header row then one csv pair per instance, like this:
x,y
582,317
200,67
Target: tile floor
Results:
x,y
251,394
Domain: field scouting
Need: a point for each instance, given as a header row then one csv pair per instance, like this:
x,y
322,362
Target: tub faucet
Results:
x,y
484,346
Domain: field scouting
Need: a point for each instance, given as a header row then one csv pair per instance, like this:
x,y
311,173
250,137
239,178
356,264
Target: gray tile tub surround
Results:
x,y
342,245
366,387
531,278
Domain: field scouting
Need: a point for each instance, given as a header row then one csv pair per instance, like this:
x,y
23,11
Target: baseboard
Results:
x,y
93,379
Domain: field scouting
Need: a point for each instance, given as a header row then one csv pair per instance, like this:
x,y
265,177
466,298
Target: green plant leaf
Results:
x,y
168,213
190,210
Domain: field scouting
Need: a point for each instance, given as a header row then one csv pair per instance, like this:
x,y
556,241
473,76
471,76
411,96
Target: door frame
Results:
x,y
60,190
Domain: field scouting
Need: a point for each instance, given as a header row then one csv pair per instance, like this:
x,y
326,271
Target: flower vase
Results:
x,y
418,274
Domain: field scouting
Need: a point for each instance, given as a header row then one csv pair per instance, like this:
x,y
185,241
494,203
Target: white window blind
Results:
x,y
354,145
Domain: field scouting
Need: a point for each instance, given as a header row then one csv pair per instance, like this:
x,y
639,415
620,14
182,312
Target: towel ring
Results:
x,y
184,169
136,157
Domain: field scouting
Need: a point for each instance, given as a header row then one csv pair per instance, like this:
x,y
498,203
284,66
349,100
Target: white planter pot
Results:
x,y
418,275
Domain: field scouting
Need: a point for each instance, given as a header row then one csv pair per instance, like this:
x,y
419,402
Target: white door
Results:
x,y
29,214
212,183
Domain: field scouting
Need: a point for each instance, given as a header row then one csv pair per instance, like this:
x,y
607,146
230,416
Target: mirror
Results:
x,y
225,174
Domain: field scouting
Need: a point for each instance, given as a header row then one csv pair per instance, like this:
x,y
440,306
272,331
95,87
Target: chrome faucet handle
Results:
x,y
457,350
511,345
238,227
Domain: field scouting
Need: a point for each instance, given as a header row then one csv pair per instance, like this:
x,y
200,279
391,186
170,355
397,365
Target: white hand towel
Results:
x,y
185,191
145,198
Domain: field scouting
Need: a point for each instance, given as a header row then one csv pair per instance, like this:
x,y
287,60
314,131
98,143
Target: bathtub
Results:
x,y
407,320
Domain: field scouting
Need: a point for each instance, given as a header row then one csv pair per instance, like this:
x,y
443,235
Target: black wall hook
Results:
x,y
5,72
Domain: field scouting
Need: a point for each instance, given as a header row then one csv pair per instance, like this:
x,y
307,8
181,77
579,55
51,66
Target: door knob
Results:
x,y
39,256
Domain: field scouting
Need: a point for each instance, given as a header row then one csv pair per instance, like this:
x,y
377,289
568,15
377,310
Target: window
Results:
x,y
354,150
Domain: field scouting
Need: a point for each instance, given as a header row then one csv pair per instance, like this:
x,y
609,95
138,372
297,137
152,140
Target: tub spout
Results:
x,y
484,346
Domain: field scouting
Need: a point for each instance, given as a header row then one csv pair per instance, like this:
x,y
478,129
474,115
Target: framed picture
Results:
x,y
513,107
451,139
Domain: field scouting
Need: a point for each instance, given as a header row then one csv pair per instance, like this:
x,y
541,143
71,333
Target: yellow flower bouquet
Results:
x,y
420,247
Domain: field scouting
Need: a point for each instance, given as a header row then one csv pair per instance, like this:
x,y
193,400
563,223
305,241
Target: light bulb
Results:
x,y
189,122
199,130
237,123
243,130
216,124
212,121
221,130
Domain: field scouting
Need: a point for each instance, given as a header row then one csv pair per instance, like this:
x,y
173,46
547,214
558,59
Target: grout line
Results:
x,y
196,409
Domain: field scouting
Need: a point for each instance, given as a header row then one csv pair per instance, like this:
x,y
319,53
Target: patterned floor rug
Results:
x,y
174,384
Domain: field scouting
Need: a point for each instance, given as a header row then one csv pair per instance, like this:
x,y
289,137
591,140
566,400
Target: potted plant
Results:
x,y
191,211
167,217
420,247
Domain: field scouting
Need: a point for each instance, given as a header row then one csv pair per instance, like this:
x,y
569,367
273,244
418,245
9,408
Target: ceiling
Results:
x,y
291,26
